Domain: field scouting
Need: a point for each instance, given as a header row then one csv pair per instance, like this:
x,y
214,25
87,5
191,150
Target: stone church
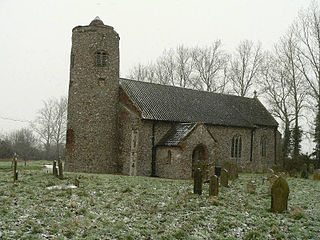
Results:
x,y
117,125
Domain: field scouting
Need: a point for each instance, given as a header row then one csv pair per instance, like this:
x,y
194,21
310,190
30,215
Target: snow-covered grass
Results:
x,y
122,207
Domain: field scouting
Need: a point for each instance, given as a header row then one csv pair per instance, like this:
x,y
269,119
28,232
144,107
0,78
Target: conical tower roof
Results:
x,y
97,21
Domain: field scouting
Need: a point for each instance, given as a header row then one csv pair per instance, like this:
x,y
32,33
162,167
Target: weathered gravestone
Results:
x,y
304,171
279,195
197,185
214,186
224,178
251,187
316,174
232,169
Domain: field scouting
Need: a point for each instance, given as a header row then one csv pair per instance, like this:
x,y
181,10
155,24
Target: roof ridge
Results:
x,y
189,89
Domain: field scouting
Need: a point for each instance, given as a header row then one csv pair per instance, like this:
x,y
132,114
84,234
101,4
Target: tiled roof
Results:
x,y
168,103
176,134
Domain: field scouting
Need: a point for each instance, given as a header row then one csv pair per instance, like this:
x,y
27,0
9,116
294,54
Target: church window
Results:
x,y
263,144
169,157
72,60
101,59
236,146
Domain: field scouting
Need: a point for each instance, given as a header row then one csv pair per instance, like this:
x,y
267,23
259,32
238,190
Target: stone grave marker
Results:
x,y
224,178
214,186
316,174
279,195
197,185
251,187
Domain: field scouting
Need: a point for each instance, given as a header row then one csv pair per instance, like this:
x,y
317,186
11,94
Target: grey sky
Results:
x,y
35,38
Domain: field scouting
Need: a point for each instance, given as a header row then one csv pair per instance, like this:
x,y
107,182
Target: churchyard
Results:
x,y
42,206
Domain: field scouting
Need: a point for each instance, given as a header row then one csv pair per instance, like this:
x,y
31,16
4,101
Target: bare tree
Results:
x,y
59,122
184,66
44,124
307,31
277,90
23,142
245,66
288,54
209,66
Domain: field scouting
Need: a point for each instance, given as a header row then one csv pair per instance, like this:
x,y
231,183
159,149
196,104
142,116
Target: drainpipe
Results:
x,y
251,145
153,160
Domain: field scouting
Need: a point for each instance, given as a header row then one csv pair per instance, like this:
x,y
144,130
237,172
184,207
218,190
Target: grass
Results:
x,y
123,207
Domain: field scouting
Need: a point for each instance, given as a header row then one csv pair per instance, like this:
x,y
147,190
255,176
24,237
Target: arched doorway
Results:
x,y
200,159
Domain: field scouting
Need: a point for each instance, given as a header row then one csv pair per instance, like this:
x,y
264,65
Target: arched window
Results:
x,y
169,157
72,60
236,146
101,59
263,144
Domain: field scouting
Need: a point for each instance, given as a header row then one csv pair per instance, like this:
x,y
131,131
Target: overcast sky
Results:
x,y
35,39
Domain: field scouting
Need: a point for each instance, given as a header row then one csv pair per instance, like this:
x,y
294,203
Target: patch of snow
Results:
x,y
61,187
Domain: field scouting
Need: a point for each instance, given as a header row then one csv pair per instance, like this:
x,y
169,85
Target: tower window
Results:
x,y
72,60
236,146
101,59
101,82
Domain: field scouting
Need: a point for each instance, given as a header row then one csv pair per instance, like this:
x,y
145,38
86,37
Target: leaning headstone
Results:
x,y
224,178
251,187
197,186
233,171
316,174
279,195
60,167
214,186
54,168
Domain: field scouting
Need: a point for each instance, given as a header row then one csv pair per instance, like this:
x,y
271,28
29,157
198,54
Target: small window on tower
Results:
x,y
72,60
101,59
101,82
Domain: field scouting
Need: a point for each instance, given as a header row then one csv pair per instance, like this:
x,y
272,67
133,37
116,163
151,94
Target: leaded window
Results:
x,y
236,146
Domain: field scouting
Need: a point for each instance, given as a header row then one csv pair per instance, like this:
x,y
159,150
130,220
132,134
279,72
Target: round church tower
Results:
x,y
92,139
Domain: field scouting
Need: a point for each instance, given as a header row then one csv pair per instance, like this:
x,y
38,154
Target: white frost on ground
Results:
x,y
61,187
